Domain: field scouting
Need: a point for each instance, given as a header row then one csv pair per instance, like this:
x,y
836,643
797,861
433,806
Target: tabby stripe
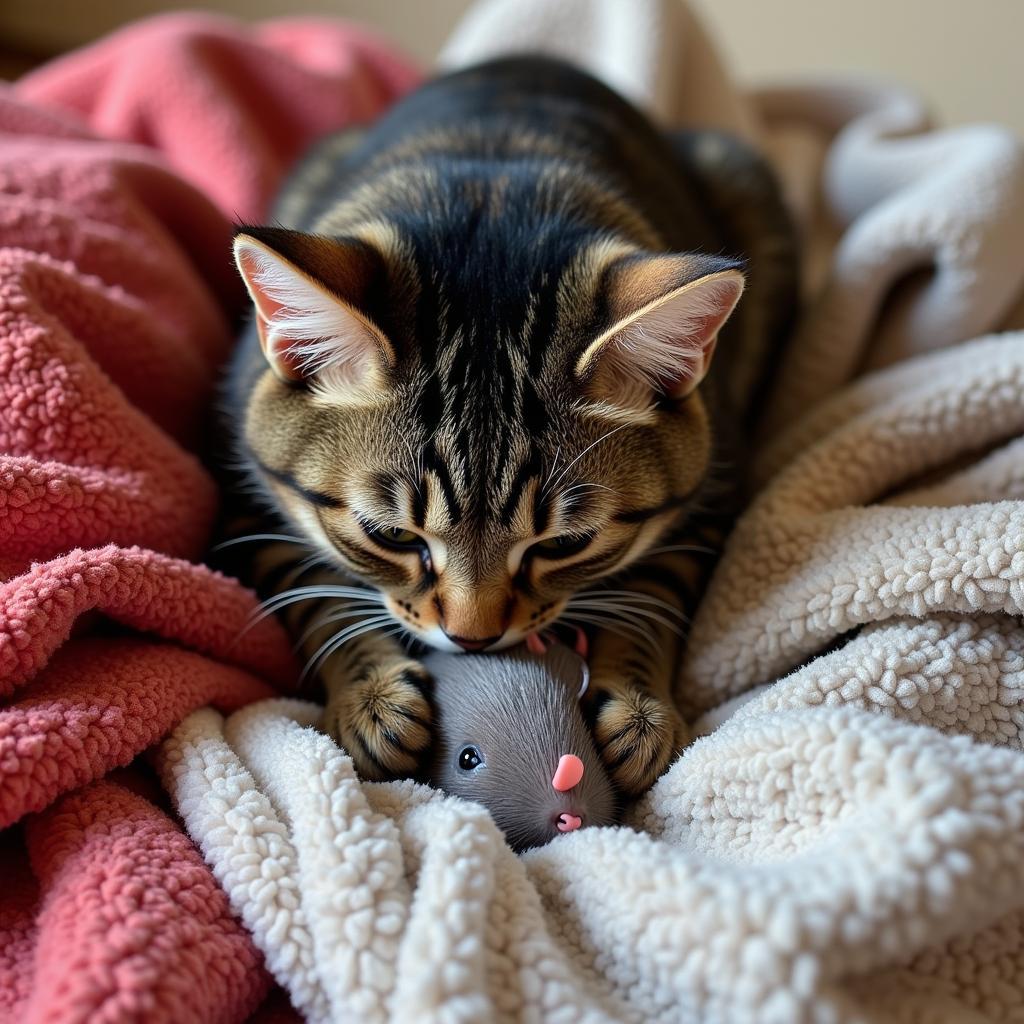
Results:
x,y
589,565
392,738
420,498
305,610
627,754
541,509
434,463
273,578
366,560
386,486
431,405
639,515
533,411
418,683
637,666
639,681
371,756
524,474
283,477
409,716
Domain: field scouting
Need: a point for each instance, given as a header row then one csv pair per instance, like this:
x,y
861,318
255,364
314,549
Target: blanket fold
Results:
x,y
119,919
117,302
805,565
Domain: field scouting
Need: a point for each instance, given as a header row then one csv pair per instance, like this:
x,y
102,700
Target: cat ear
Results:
x,y
306,290
664,315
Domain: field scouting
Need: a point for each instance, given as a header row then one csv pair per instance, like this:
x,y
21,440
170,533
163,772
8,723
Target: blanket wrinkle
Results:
x,y
131,924
927,254
236,104
190,604
116,304
824,564
98,704
844,841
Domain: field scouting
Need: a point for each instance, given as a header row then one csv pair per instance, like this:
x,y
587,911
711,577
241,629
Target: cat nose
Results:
x,y
470,644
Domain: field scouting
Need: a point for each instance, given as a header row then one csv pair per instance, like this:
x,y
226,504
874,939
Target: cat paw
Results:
x,y
637,736
384,720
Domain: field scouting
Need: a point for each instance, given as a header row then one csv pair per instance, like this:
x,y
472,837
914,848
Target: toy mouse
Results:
x,y
511,736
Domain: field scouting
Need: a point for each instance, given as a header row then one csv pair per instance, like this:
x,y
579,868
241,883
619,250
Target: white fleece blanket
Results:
x,y
846,840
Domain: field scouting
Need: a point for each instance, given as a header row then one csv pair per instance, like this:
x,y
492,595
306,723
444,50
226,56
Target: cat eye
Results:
x,y
469,758
562,546
394,537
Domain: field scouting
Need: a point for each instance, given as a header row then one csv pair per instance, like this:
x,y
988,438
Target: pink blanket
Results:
x,y
121,167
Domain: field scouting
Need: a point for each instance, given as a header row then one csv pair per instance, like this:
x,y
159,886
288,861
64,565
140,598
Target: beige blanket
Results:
x,y
846,842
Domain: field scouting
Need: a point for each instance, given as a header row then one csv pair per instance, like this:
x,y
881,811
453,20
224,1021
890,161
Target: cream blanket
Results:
x,y
846,842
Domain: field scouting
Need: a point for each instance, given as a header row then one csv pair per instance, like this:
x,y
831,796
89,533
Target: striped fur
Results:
x,y
470,389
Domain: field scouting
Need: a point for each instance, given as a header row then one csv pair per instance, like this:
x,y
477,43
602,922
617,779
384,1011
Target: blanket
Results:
x,y
121,169
844,840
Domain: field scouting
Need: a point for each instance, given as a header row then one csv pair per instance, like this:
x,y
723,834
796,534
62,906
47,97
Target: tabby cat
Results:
x,y
469,389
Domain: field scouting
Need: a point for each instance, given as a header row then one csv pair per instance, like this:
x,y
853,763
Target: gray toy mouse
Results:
x,y
511,736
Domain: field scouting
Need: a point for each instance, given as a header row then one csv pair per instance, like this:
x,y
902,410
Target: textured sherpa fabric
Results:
x,y
818,554
801,863
117,296
115,917
845,840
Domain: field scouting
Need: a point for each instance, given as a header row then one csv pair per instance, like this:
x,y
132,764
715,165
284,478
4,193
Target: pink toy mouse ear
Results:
x,y
581,645
535,644
541,643
582,648
584,681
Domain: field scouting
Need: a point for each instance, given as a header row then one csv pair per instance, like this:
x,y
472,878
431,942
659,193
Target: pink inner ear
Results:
x,y
668,347
266,306
288,363
284,355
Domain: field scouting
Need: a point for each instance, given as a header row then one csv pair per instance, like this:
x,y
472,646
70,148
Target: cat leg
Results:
x,y
636,655
377,697
378,707
636,728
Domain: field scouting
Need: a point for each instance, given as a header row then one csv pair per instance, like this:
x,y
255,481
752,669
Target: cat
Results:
x,y
470,391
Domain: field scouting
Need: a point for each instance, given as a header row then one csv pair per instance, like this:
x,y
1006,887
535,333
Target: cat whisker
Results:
x,y
274,604
576,488
610,622
338,640
634,595
554,483
252,537
694,548
347,611
310,561
630,612
325,590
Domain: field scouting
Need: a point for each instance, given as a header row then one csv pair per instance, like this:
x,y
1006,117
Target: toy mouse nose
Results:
x,y
568,773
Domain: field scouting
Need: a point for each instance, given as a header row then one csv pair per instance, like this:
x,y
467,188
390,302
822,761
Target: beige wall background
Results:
x,y
964,56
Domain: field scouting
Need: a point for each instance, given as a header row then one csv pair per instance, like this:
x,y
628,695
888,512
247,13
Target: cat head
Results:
x,y
479,437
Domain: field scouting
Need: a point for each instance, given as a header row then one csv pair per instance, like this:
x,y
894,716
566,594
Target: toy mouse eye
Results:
x,y
469,758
